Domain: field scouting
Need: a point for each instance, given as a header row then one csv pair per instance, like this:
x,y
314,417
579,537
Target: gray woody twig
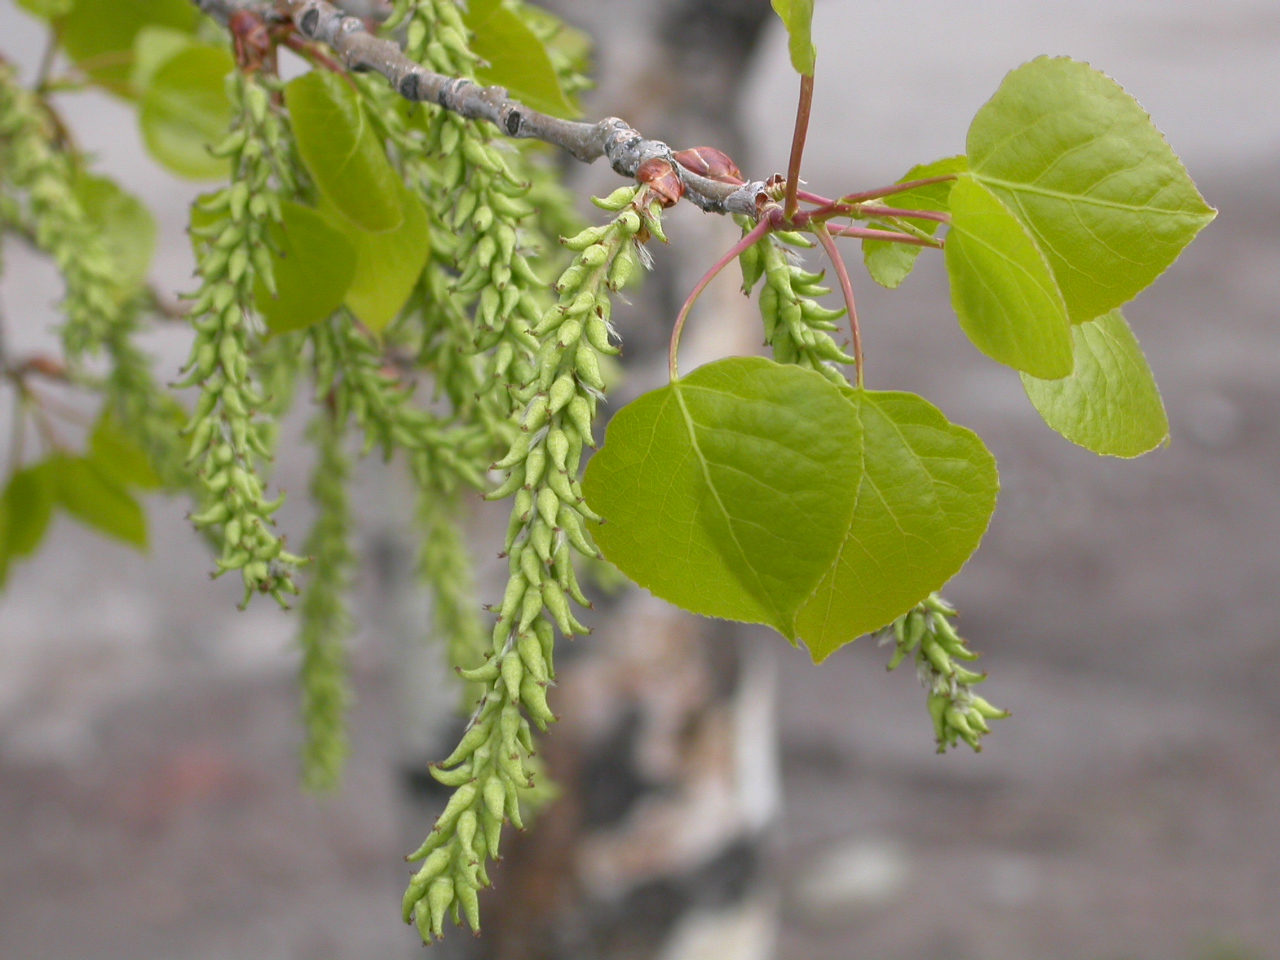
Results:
x,y
623,146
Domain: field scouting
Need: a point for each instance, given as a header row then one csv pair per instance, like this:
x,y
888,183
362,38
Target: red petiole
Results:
x,y
846,287
754,234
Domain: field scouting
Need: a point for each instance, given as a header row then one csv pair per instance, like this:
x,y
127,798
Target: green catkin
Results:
x,y
226,441
325,623
496,745
350,368
796,326
926,632
38,165
99,312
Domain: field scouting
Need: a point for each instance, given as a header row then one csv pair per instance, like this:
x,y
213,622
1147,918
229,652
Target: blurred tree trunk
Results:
x,y
664,756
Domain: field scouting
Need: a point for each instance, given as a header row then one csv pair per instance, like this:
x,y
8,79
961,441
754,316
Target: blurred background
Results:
x,y
1127,611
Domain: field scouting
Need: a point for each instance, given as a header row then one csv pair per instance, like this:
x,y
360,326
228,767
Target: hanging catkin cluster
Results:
x,y
927,632
325,621
36,164
42,170
796,326
557,404
227,436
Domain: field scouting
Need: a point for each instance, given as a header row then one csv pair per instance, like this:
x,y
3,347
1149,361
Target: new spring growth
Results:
x,y
548,522
226,435
45,174
927,633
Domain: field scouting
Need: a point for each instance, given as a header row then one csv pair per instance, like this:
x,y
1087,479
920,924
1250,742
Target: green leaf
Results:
x,y
1110,404
1001,287
185,110
478,11
797,17
890,263
518,61
342,152
85,491
728,492
118,457
125,226
573,46
388,264
152,48
313,264
99,34
28,506
1083,167
47,10
925,491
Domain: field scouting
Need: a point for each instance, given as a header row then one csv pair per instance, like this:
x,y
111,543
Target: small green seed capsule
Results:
x,y
540,537
495,798
621,269
571,523
562,391
594,255
534,697
548,506
587,365
512,674
534,466
439,897
530,651
598,335
531,567
557,603
580,414
616,200
531,607
558,447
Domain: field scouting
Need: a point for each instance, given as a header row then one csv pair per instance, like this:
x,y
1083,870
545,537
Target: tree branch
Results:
x,y
614,139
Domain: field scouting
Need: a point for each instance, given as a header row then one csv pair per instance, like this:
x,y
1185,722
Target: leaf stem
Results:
x,y
846,287
748,239
888,236
875,210
46,62
803,109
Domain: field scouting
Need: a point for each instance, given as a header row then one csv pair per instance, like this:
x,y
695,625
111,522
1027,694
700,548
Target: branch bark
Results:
x,y
612,138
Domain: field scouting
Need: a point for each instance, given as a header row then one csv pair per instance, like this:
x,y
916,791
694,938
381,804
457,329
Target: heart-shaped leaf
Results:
x,y
1080,163
1110,404
185,110
728,491
313,264
387,264
1001,287
342,152
925,492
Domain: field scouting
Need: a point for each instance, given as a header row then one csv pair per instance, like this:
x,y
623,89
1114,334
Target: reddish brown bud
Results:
x,y
661,177
710,163
251,38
